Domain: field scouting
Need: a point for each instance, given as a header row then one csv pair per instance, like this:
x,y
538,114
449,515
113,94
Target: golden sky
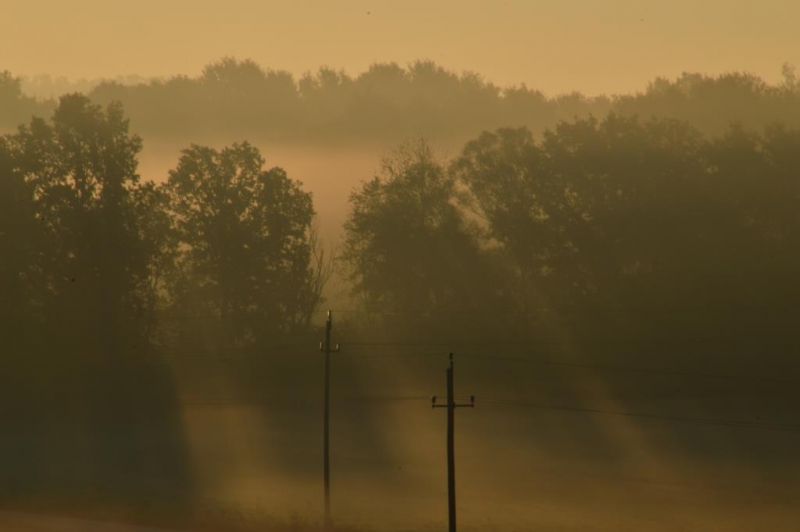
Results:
x,y
554,45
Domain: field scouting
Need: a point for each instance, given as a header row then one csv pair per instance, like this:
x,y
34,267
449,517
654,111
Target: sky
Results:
x,y
595,46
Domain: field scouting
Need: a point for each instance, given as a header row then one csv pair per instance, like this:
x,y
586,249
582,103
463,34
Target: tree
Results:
x,y
409,248
527,209
81,169
598,220
81,240
245,245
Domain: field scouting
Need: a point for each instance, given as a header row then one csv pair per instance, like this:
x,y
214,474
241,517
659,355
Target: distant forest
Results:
x,y
389,102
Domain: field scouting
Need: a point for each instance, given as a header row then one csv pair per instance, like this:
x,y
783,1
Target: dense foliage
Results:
x,y
616,227
244,242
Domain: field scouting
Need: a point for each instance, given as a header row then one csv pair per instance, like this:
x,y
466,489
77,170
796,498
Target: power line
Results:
x,y
530,312
678,419
522,403
592,366
257,351
635,369
262,401
727,306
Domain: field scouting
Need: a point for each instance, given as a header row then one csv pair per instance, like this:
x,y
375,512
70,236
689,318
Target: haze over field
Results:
x,y
594,205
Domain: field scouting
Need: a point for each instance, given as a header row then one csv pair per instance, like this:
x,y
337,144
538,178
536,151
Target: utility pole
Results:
x,y
451,454
326,348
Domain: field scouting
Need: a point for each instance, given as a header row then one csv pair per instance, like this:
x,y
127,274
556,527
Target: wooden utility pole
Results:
x,y
451,454
326,348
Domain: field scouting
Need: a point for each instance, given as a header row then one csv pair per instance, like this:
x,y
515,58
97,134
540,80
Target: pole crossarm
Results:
x,y
325,345
471,403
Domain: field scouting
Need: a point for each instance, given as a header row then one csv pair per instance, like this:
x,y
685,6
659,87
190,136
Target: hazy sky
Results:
x,y
554,45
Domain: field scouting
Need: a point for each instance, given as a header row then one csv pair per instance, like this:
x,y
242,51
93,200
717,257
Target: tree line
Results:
x,y
595,220
388,102
643,230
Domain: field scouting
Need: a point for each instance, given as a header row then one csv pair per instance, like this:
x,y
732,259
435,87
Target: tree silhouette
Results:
x,y
408,245
244,240
81,168
82,249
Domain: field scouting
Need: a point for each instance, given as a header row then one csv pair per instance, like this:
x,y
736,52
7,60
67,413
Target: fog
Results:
x,y
589,209
330,173
628,338
518,468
